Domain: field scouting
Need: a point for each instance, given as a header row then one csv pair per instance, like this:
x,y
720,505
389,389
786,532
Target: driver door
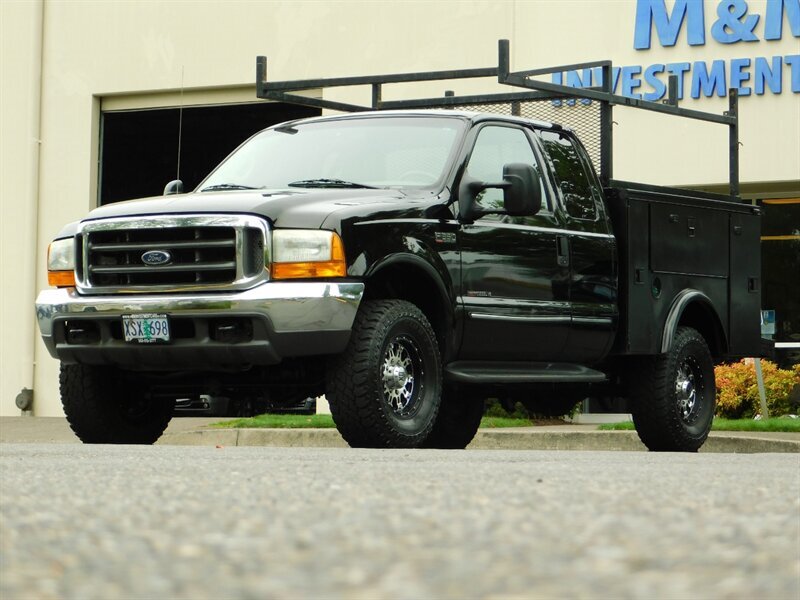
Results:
x,y
514,293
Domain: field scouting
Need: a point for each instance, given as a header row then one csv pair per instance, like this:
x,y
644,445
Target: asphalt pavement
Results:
x,y
109,522
194,431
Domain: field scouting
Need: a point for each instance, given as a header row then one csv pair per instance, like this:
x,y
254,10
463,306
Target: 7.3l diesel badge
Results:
x,y
156,258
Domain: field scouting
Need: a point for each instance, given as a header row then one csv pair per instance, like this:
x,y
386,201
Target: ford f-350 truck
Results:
x,y
408,264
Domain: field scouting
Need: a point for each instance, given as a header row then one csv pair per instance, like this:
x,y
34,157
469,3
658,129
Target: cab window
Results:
x,y
495,147
571,176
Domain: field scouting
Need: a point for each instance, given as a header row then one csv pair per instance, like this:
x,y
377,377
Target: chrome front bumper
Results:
x,y
292,319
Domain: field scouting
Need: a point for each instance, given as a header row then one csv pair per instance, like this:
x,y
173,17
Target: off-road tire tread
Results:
x,y
653,402
351,396
88,394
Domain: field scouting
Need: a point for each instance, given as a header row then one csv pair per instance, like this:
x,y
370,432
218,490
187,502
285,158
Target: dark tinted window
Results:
x,y
570,174
496,147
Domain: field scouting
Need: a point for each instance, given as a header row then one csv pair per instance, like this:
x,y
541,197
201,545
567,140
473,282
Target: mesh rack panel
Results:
x,y
583,117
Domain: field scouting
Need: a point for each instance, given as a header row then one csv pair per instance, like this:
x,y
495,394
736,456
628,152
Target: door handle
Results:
x,y
562,250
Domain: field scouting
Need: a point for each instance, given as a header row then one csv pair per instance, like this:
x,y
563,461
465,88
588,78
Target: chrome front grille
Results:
x,y
193,252
193,255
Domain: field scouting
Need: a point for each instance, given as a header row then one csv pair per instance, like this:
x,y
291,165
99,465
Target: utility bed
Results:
x,y
671,240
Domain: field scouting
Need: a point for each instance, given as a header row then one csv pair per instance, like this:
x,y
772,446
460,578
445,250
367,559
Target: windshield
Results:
x,y
368,152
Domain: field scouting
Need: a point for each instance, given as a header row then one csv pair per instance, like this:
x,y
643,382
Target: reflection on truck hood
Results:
x,y
285,208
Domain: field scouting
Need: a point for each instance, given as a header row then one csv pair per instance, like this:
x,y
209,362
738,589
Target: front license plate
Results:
x,y
146,329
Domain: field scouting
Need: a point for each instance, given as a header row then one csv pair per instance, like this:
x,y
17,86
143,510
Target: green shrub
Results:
x,y
498,409
737,389
495,408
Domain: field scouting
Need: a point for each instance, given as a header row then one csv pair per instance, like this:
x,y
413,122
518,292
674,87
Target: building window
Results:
x,y
780,271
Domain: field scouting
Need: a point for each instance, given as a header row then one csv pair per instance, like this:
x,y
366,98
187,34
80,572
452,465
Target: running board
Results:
x,y
477,372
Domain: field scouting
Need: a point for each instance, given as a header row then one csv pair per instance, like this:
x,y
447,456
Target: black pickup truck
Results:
x,y
407,264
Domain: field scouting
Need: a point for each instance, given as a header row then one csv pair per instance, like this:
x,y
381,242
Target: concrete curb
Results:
x,y
285,438
197,432
508,439
749,445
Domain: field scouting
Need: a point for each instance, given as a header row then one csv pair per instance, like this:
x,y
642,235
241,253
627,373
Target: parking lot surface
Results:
x,y
246,522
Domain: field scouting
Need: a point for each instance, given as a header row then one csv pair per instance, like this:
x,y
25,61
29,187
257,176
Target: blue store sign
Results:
x,y
733,23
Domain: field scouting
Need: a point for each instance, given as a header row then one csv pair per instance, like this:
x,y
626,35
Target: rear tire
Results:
x,y
104,407
458,421
673,395
384,390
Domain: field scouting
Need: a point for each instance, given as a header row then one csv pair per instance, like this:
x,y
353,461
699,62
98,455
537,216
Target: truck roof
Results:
x,y
472,116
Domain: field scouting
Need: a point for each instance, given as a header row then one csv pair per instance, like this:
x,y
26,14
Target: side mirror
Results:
x,y
173,187
468,191
522,193
523,197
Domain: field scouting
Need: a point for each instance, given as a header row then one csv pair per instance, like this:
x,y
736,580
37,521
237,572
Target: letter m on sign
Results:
x,y
651,13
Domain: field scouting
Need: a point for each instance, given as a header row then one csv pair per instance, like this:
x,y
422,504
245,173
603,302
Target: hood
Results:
x,y
301,208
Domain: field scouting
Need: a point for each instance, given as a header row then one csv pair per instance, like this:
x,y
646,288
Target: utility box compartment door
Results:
x,y
745,285
690,240
640,325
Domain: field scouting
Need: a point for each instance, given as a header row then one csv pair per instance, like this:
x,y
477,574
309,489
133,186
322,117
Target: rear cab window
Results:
x,y
579,187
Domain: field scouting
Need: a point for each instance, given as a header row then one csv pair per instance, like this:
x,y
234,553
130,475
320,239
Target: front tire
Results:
x,y
104,407
384,390
673,395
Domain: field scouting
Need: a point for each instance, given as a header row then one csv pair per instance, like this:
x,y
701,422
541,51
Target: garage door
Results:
x,y
139,149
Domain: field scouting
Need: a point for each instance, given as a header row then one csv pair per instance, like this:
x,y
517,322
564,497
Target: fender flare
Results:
x,y
402,258
679,304
451,330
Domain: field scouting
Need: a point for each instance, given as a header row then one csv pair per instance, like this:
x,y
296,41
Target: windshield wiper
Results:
x,y
227,186
329,183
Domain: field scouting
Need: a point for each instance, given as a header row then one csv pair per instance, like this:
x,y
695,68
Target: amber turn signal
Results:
x,y
61,278
308,270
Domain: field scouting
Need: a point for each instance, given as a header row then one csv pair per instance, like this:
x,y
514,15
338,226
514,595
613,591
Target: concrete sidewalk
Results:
x,y
194,431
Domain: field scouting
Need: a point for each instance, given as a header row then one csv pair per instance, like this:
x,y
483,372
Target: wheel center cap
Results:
x,y
396,376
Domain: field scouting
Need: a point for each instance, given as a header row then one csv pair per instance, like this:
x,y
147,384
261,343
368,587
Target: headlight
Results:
x,y
301,253
61,263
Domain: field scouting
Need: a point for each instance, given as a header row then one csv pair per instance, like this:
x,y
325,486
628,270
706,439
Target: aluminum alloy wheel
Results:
x,y
687,381
402,374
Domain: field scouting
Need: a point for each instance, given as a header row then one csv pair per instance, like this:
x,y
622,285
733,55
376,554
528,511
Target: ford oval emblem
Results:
x,y
156,258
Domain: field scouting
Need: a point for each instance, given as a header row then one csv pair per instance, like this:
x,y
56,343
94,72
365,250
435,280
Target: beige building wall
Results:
x,y
20,142
94,56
